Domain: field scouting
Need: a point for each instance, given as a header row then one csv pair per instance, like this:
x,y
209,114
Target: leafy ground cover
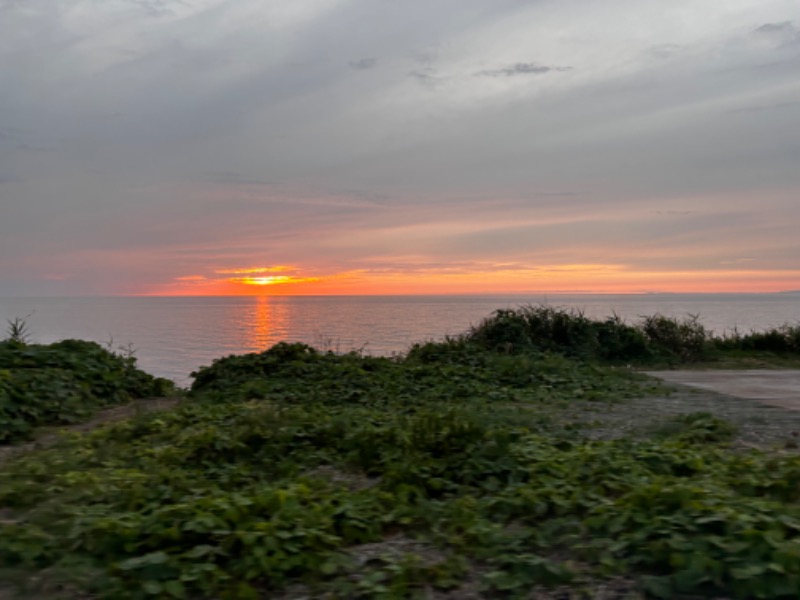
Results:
x,y
65,382
447,473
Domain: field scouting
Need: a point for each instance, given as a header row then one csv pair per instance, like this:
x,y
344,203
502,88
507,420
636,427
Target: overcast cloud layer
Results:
x,y
155,145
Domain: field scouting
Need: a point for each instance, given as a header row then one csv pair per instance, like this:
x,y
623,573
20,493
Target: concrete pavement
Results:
x,y
774,387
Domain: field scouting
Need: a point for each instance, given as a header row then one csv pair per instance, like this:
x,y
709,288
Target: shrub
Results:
x,y
617,340
65,382
780,340
233,370
567,331
698,427
684,339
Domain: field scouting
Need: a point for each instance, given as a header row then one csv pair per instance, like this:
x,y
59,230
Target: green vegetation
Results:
x,y
18,331
63,383
697,427
449,472
654,339
783,339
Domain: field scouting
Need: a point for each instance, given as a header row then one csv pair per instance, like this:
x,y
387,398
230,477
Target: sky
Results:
x,y
209,147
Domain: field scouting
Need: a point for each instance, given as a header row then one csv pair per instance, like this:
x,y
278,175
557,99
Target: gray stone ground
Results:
x,y
774,387
763,404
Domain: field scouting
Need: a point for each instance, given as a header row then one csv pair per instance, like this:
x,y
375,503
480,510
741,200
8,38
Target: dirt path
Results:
x,y
47,436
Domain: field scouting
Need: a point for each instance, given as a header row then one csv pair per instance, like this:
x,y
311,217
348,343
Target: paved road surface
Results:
x,y
774,387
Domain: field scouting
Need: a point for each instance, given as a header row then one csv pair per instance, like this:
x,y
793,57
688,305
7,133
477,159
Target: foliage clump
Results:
x,y
64,382
784,339
653,339
555,329
698,427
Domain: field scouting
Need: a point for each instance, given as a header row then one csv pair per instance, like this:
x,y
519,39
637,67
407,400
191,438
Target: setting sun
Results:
x,y
267,280
273,280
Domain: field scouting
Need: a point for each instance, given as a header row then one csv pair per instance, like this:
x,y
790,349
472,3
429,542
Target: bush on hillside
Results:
x,y
780,340
562,330
654,338
65,382
682,339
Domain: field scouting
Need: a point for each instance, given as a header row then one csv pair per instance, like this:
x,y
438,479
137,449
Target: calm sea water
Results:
x,y
174,336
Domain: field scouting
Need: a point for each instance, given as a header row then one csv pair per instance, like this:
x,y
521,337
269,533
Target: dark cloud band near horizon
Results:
x,y
146,146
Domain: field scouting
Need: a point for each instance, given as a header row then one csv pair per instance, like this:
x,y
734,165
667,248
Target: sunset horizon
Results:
x,y
379,299
250,148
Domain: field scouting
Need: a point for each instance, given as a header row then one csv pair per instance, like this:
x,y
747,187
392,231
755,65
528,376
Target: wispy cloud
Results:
x,y
185,278
157,8
767,107
522,69
363,64
256,270
428,77
784,33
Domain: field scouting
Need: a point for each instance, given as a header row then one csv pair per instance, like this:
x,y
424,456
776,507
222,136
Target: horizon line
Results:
x,y
414,295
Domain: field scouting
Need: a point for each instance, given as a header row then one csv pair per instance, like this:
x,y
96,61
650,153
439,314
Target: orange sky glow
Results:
x,y
577,278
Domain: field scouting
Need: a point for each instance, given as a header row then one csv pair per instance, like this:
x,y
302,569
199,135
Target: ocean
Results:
x,y
173,336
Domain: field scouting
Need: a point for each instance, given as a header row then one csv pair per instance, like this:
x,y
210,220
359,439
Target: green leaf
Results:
x,y
175,589
153,588
200,551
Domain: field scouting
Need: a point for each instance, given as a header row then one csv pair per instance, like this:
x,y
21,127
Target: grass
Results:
x,y
439,474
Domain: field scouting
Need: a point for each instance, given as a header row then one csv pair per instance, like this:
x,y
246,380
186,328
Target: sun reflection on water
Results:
x,y
268,323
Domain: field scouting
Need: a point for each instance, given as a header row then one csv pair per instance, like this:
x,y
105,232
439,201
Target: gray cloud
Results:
x,y
767,107
231,177
554,194
23,140
236,130
664,51
784,33
776,28
158,8
429,77
362,64
522,69
428,55
12,134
